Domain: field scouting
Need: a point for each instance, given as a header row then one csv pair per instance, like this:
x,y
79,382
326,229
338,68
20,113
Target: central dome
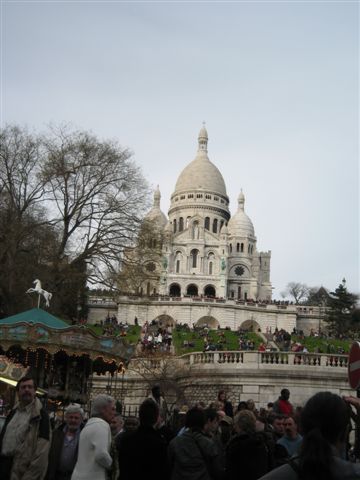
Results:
x,y
201,174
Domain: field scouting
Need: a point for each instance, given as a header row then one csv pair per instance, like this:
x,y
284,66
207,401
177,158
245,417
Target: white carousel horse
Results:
x,y
47,295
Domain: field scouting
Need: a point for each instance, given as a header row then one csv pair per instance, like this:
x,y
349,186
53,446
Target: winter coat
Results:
x,y
31,461
94,458
142,455
56,447
247,456
193,456
283,407
228,408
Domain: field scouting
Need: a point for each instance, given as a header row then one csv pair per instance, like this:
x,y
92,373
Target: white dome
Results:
x,y
155,215
240,224
201,174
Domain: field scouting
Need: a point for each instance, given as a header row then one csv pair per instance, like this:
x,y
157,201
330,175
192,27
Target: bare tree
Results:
x,y
25,231
99,195
87,192
297,291
142,262
164,370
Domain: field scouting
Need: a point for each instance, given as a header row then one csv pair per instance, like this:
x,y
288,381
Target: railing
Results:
x,y
255,359
229,301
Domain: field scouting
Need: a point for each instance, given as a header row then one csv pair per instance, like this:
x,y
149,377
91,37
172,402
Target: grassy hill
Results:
x,y
223,339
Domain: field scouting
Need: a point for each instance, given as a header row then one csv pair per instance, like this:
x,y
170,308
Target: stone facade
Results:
x,y
204,251
229,313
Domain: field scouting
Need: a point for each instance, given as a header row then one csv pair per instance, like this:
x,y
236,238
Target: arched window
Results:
x,y
249,248
154,243
178,258
192,290
210,268
221,225
175,226
230,248
175,290
207,223
181,224
238,247
188,221
209,291
194,258
242,247
215,225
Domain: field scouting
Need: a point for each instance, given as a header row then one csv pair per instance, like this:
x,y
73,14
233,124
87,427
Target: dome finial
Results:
x,y
203,139
241,200
157,197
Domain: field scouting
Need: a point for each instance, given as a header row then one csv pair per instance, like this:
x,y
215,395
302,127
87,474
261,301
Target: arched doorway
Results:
x,y
175,290
164,321
192,290
209,291
208,321
250,326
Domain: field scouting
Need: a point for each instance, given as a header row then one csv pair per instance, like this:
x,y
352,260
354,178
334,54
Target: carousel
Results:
x,y
62,358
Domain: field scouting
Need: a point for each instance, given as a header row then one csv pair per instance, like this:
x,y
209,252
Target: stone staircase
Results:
x,y
268,338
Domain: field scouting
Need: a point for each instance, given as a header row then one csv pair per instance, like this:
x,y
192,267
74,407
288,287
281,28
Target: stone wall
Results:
x,y
244,375
228,313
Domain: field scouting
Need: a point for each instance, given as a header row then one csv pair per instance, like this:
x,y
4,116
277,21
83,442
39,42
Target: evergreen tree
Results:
x,y
341,310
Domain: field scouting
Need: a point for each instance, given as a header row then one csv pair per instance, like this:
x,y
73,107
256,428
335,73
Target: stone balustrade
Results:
x,y
253,359
206,300
243,374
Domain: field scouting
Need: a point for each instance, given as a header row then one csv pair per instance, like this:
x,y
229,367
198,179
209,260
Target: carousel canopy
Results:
x,y
35,316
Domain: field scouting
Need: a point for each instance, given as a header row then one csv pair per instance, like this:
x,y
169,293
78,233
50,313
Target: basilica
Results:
x,y
200,250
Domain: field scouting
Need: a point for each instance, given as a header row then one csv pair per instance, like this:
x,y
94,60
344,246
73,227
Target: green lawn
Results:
x,y
312,343
232,340
133,333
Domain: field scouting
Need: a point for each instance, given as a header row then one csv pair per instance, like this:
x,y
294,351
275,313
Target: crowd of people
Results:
x,y
155,338
212,442
110,327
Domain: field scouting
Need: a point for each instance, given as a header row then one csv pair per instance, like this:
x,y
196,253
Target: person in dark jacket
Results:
x,y
143,453
247,454
64,445
192,455
225,403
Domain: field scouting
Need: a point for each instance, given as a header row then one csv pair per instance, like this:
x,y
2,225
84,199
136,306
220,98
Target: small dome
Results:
x,y
240,224
155,215
201,174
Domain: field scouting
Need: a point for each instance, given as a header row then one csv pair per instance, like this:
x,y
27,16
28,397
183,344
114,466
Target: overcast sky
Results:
x,y
276,82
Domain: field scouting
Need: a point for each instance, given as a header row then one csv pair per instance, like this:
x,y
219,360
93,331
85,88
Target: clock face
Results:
x,y
239,271
150,267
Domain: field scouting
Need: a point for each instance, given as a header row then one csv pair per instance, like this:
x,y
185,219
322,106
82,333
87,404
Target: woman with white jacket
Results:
x,y
94,459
